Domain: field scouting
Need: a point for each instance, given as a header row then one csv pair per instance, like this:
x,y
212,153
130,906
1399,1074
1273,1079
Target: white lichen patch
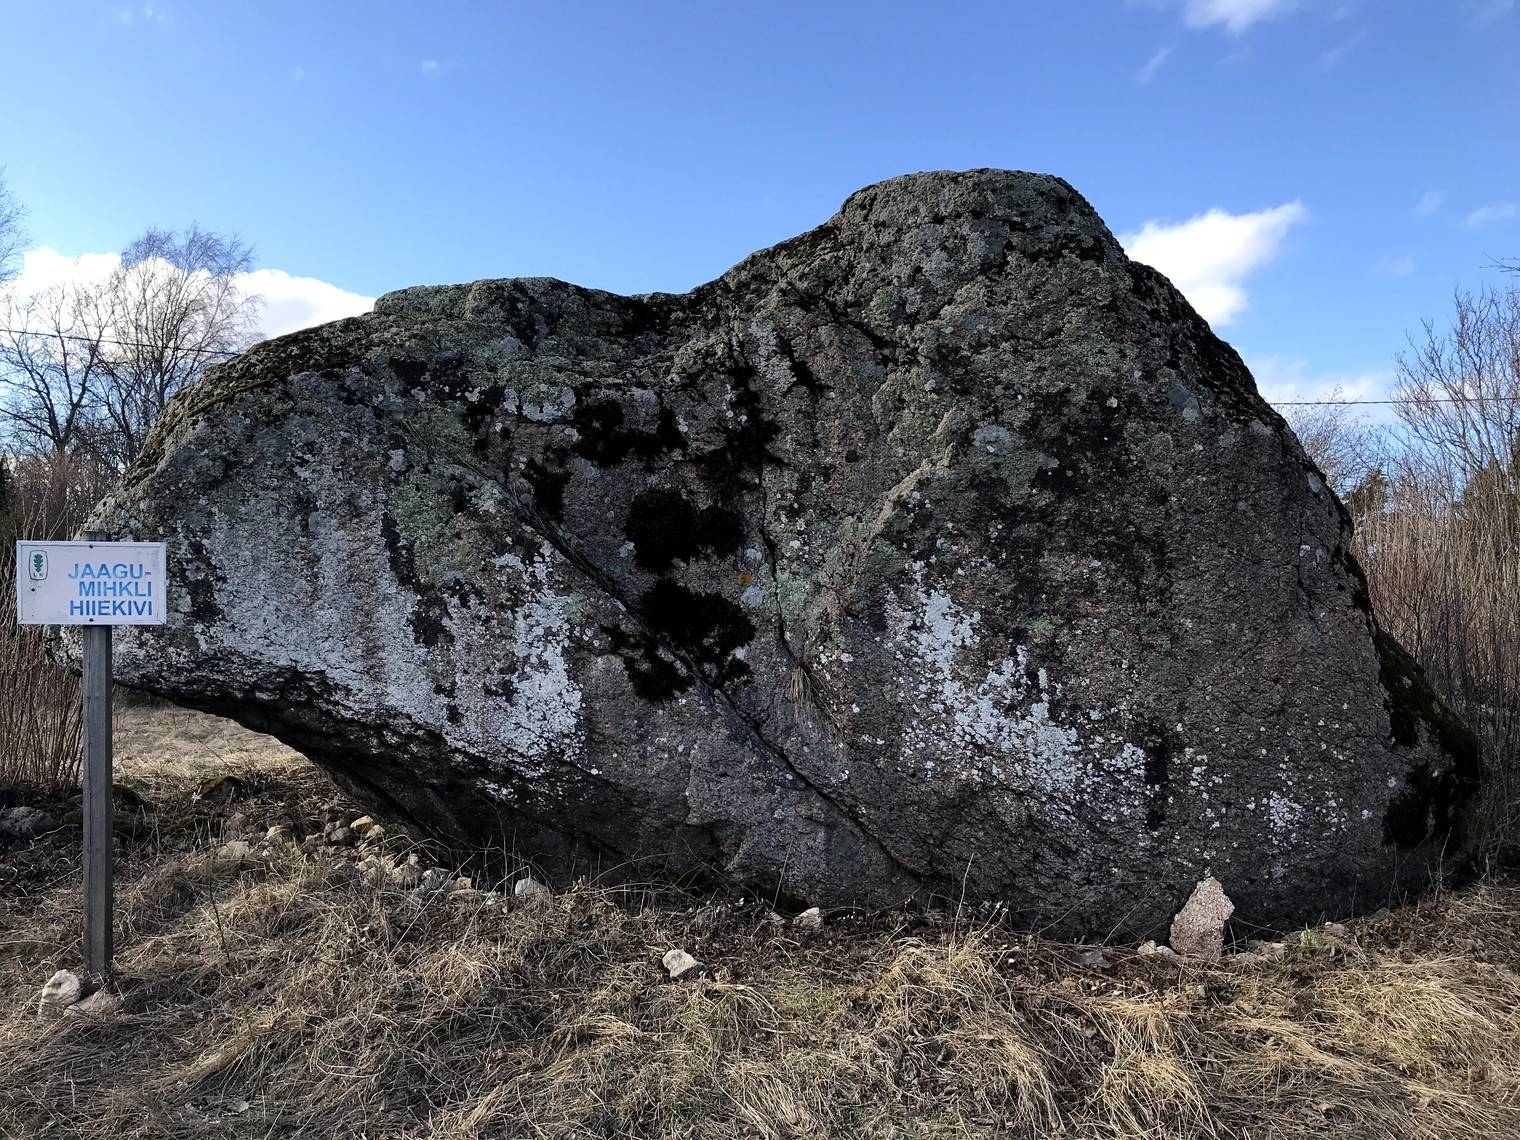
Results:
x,y
542,715
1284,816
496,682
993,721
544,403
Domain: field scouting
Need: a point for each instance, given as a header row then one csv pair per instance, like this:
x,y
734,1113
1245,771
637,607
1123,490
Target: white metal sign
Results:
x,y
90,583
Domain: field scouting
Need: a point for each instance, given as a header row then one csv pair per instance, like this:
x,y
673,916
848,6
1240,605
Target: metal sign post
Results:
x,y
97,584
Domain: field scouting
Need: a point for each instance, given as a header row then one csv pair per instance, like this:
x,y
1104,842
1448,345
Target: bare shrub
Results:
x,y
1459,391
47,497
13,237
1443,568
40,711
174,305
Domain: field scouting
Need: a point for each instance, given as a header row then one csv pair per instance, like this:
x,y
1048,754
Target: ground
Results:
x,y
318,983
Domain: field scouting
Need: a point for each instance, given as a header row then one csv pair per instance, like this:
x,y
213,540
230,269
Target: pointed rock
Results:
x,y
1198,928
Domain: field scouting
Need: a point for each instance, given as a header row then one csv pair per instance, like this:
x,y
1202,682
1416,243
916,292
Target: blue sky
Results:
x,y
1317,175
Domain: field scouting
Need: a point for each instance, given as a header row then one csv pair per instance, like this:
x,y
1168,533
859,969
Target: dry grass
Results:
x,y
160,751
281,996
1443,567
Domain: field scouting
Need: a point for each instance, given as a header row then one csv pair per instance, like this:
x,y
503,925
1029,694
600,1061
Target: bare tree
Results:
x,y
1459,390
1344,446
86,369
50,371
173,306
12,231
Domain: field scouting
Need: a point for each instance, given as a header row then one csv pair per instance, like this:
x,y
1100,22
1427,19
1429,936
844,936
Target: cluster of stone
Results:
x,y
357,846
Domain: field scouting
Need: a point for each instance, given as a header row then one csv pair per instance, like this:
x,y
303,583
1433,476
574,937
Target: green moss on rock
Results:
x,y
1436,798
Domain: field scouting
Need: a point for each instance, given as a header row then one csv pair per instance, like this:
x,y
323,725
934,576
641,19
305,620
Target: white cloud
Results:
x,y
290,303
1235,15
430,68
1208,256
1499,212
1429,203
44,267
1152,65
1391,266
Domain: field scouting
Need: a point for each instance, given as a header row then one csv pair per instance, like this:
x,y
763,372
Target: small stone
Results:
x,y
279,833
810,919
235,852
1094,960
407,876
362,823
342,836
679,964
62,989
528,887
374,834
27,822
1198,929
436,879
101,1003
1151,947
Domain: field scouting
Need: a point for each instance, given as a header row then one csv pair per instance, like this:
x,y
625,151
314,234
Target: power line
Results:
x,y
117,343
1405,400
